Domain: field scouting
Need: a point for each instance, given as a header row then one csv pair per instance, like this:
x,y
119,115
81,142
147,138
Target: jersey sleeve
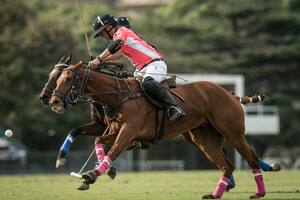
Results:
x,y
120,34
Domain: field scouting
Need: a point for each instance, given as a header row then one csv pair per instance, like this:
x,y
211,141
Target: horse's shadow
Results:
x,y
297,191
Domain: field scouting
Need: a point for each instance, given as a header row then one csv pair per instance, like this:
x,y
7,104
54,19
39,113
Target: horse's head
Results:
x,y
46,93
68,88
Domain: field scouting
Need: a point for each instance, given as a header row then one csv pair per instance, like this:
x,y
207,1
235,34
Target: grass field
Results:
x,y
180,185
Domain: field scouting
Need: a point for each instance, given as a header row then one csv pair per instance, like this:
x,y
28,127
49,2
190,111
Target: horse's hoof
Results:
x,y
60,162
276,167
229,187
90,176
112,172
256,196
84,186
208,196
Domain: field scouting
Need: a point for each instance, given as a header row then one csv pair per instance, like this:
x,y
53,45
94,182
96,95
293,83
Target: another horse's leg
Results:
x,y
274,167
210,142
91,128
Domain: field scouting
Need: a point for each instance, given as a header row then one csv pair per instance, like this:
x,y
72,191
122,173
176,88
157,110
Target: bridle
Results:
x,y
78,84
50,87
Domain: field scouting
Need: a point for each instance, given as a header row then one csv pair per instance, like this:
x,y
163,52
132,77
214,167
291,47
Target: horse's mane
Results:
x,y
109,73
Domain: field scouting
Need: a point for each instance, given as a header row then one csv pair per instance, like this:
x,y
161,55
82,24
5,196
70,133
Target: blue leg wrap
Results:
x,y
264,165
65,148
231,181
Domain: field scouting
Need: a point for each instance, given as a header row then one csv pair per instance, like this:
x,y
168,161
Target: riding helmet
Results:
x,y
123,21
102,22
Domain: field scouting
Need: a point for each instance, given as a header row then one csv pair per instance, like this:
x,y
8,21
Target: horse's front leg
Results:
x,y
124,138
91,128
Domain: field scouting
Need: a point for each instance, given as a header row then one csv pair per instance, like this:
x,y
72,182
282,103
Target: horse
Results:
x,y
94,128
97,126
132,117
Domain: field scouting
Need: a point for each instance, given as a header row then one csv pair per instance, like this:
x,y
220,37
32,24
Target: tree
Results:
x,y
259,39
29,46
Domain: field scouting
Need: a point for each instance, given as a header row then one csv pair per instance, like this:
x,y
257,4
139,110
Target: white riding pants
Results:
x,y
157,70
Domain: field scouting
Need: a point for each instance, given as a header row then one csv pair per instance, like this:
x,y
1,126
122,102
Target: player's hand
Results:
x,y
94,63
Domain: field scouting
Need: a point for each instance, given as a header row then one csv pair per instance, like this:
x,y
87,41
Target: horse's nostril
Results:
x,y
54,102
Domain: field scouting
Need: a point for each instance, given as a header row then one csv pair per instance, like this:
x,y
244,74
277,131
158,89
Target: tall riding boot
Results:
x,y
175,111
156,90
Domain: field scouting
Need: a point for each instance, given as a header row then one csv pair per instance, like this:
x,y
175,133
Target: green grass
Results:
x,y
151,185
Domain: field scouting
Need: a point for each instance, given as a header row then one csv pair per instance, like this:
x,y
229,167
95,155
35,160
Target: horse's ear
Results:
x,y
78,64
62,59
68,60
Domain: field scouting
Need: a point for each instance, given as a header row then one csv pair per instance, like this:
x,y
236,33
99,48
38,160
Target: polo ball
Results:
x,y
8,133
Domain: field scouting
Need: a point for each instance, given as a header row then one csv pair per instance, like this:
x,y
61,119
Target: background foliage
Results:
x,y
259,39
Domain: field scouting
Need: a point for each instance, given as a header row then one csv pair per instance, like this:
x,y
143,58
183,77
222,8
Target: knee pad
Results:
x,y
148,84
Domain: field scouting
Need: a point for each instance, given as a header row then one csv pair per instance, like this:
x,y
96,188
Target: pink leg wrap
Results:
x,y
100,152
260,186
221,187
103,166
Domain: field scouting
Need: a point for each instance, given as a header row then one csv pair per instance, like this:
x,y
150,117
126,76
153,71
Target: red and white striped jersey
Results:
x,y
136,49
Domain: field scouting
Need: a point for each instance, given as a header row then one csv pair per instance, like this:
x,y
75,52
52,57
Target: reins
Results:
x,y
49,88
77,94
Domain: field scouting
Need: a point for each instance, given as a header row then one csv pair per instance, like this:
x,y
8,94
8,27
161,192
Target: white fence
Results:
x,y
262,120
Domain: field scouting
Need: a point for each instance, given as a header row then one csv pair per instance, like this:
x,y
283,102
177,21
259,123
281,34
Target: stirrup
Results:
x,y
177,113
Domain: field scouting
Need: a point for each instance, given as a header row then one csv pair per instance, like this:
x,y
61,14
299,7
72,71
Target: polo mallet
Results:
x,y
78,174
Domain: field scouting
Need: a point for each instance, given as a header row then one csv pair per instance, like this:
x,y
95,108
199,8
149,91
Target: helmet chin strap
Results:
x,y
108,32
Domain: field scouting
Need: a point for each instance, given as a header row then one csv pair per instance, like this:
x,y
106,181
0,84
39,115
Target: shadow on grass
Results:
x,y
272,192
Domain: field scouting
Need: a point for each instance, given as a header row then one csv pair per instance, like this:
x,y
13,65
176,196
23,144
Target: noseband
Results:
x,y
78,84
50,87
76,94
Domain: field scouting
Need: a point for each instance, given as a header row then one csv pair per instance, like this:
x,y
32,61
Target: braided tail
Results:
x,y
246,99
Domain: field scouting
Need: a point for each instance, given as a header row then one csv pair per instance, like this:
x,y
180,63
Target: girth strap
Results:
x,y
160,125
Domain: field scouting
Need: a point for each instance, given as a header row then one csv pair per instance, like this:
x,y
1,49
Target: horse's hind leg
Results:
x,y
241,145
247,152
204,141
231,125
211,142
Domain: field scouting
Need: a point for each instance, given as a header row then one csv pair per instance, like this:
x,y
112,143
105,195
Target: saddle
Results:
x,y
160,116
170,82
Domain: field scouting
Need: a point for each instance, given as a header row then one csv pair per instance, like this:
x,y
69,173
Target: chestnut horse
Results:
x,y
134,118
96,127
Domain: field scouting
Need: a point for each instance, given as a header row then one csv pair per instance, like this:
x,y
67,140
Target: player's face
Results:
x,y
105,33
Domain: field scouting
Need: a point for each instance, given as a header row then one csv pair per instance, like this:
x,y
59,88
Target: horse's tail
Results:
x,y
246,99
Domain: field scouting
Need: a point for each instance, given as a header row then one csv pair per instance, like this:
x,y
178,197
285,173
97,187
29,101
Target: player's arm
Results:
x,y
111,50
115,56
